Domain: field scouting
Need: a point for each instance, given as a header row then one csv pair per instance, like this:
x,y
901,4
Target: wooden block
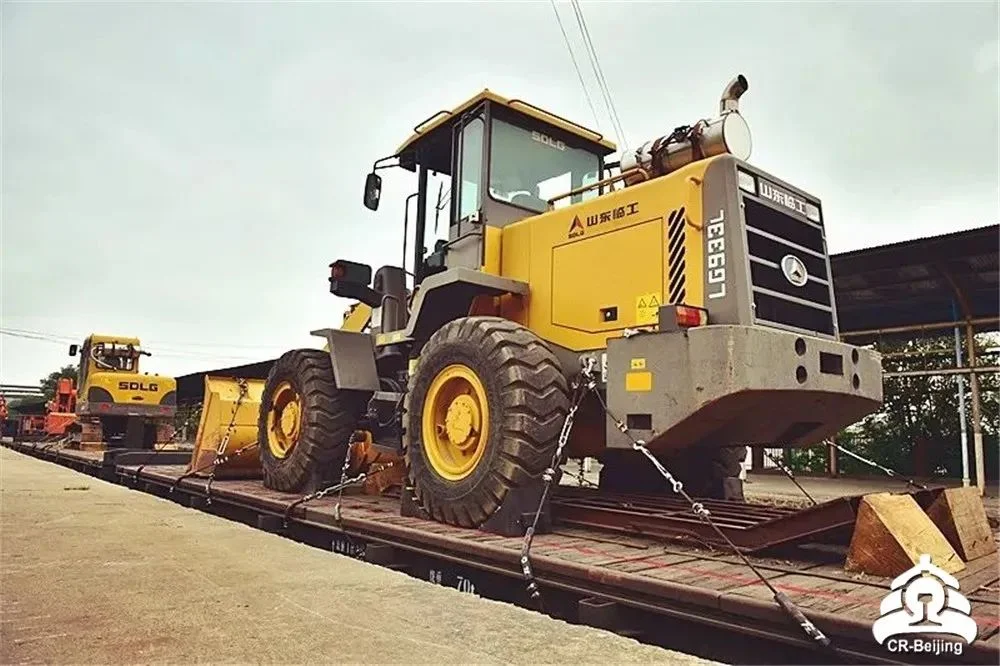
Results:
x,y
90,430
164,432
92,446
890,535
382,477
961,517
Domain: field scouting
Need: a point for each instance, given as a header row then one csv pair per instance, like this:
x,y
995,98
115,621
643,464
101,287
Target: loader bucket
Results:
x,y
222,407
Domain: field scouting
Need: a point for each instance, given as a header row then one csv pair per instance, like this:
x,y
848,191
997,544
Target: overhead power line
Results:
x,y
159,343
576,66
602,82
166,353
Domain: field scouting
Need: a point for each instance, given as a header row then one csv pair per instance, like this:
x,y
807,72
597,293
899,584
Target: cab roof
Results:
x,y
427,127
95,338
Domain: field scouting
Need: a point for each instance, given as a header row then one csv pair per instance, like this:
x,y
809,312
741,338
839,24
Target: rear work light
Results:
x,y
746,181
351,272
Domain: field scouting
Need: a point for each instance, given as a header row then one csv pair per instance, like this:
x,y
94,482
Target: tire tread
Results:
x,y
329,416
532,401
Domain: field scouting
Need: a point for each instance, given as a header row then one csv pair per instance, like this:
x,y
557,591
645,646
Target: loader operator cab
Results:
x,y
501,160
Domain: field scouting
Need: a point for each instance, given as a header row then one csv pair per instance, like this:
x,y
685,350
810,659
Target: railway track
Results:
x,y
608,563
751,527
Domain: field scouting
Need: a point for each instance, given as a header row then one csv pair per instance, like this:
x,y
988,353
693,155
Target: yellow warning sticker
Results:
x,y
647,309
638,364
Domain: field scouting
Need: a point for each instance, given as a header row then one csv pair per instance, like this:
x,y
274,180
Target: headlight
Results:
x,y
747,182
812,212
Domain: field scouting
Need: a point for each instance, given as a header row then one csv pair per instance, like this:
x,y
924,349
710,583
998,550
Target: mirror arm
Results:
x,y
384,163
358,292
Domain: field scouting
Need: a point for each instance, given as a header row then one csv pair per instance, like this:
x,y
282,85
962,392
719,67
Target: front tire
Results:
x,y
305,422
484,409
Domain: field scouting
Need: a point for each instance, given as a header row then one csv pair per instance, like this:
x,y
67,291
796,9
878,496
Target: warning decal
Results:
x,y
647,309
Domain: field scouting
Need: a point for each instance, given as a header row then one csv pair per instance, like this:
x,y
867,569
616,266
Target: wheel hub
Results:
x,y
283,420
459,421
289,423
455,422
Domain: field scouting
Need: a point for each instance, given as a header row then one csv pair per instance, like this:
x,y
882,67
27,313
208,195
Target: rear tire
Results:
x,y
712,475
526,401
324,420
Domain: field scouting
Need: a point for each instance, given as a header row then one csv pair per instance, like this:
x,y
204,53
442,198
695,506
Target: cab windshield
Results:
x,y
113,357
528,167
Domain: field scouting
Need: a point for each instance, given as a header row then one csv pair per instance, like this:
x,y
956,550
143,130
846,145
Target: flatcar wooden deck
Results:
x,y
667,579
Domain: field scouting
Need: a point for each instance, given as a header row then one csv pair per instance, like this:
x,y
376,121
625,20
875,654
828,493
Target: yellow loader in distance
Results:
x,y
677,301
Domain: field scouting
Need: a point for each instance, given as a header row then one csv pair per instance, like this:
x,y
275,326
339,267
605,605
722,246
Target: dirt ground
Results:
x,y
96,573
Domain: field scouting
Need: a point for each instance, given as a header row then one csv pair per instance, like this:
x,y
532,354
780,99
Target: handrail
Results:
x,y
600,137
418,126
637,171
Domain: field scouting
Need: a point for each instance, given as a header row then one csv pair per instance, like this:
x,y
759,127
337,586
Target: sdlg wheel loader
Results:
x,y
690,290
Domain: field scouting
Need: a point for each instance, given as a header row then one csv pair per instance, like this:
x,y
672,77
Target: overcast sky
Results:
x,y
186,172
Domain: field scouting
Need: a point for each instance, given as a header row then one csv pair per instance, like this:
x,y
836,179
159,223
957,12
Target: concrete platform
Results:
x,y
95,573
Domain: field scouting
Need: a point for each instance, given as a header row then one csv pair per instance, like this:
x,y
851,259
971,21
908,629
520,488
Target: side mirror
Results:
x,y
73,349
373,190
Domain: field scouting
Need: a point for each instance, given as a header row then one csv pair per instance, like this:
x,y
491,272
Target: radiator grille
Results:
x,y
771,236
675,251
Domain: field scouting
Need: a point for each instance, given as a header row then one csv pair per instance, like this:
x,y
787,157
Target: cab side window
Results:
x,y
470,177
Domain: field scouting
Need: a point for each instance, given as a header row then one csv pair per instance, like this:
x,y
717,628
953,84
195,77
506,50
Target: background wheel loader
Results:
x,y
690,290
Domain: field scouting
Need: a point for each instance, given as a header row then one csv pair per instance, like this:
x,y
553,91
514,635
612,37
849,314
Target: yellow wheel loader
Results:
x,y
678,297
116,405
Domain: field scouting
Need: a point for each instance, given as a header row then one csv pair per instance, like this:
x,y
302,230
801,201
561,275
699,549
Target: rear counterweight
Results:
x,y
724,385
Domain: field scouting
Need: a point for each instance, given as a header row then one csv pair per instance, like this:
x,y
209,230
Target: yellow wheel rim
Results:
x,y
455,422
284,420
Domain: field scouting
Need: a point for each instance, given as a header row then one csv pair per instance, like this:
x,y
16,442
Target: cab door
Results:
x,y
465,232
84,368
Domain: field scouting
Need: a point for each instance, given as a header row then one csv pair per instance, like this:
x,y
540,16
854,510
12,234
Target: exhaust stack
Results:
x,y
729,133
730,101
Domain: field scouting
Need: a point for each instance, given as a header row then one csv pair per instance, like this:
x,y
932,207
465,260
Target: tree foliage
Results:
x,y
49,383
917,432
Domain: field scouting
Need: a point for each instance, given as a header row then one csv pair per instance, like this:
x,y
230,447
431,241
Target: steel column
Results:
x,y
977,419
961,410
